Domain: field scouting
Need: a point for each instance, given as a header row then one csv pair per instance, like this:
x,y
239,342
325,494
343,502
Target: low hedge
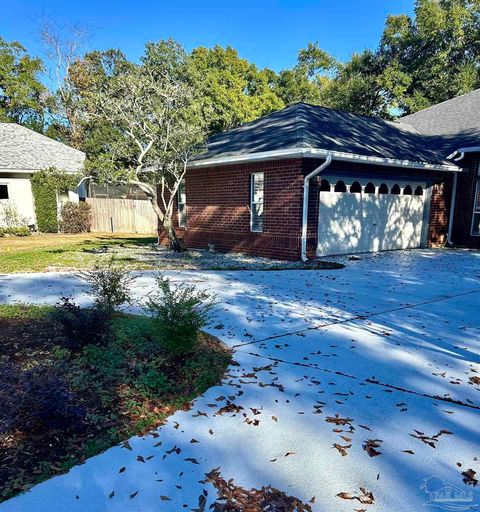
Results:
x,y
17,231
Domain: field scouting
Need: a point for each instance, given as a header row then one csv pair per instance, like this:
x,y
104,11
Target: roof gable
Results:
x,y
23,149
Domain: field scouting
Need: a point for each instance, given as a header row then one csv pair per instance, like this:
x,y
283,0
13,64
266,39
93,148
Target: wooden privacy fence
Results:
x,y
122,216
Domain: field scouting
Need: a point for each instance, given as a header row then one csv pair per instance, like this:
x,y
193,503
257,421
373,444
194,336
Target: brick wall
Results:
x,y
218,209
464,203
439,213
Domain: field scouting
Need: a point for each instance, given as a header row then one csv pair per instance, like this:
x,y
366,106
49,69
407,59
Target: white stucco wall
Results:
x,y
20,194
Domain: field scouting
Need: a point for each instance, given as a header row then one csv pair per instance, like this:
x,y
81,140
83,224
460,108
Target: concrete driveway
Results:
x,y
346,383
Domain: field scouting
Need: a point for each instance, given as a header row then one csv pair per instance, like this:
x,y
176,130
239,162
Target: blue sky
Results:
x,y
268,32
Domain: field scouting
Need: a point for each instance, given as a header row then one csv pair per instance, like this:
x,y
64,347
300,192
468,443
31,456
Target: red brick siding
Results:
x,y
439,212
464,203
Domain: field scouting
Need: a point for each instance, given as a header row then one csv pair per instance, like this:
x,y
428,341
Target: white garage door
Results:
x,y
370,216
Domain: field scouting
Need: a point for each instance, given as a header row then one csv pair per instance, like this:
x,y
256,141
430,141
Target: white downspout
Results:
x,y
306,190
452,202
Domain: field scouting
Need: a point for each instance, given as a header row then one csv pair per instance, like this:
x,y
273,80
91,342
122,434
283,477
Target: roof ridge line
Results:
x,y
300,134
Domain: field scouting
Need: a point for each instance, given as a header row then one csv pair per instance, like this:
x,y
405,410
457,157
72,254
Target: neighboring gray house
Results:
x,y
24,152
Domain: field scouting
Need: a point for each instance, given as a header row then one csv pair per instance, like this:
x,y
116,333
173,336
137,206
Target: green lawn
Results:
x,y
50,252
38,253
123,386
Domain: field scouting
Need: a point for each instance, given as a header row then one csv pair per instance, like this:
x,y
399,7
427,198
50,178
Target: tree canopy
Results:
x,y
23,98
420,60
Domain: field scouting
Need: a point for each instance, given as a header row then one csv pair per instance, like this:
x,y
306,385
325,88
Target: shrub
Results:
x,y
45,186
37,398
80,326
18,231
76,217
152,380
45,198
9,216
178,315
110,285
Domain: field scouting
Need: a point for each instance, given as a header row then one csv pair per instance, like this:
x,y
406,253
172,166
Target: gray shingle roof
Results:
x,y
452,124
24,149
452,117
308,126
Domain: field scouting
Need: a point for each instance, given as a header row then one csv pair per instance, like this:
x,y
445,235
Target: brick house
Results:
x,y
309,181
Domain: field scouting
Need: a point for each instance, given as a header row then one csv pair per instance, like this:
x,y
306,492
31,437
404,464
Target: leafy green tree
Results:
x,y
23,99
231,90
99,137
421,60
360,86
160,128
436,53
305,81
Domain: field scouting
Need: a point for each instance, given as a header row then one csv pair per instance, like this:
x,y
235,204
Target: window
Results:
x,y
355,188
395,190
476,212
370,188
419,191
325,186
383,189
340,186
256,202
182,205
3,191
407,191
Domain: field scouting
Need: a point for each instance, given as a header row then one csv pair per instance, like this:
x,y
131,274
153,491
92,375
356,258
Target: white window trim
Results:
x,y
476,208
180,225
252,177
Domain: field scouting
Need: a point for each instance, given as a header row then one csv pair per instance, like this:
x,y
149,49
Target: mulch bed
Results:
x,y
117,403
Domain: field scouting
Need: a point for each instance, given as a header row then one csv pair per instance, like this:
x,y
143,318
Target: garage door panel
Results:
x,y
404,221
360,222
341,215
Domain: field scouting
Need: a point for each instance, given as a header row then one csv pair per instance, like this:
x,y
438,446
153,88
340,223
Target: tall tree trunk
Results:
x,y
176,244
165,218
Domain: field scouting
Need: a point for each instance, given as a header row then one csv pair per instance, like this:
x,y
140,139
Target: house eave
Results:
x,y
460,151
12,170
320,153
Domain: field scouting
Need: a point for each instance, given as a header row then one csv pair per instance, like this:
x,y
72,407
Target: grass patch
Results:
x,y
126,386
42,252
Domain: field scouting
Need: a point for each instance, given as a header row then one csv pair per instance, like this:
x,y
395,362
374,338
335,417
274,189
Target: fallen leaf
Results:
x,y
469,477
